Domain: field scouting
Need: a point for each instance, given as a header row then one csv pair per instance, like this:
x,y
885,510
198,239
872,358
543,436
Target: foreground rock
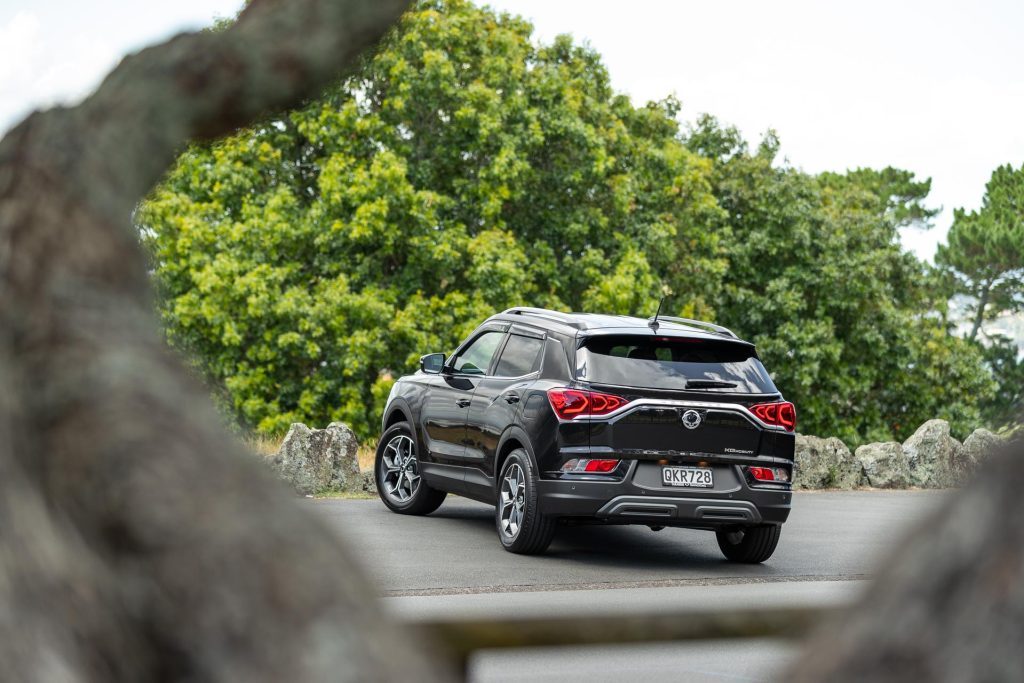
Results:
x,y
825,463
319,460
936,460
884,464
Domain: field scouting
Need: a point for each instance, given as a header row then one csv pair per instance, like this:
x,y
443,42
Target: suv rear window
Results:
x,y
673,363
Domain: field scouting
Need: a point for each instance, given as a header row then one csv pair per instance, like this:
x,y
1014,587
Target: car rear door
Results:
x,y
496,401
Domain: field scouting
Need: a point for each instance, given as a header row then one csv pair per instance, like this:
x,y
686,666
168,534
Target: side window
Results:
x,y
556,364
519,357
477,357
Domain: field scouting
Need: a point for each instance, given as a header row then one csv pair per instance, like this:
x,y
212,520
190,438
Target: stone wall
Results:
x,y
315,461
930,458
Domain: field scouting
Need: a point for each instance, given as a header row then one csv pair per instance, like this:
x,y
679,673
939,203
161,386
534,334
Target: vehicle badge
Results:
x,y
692,419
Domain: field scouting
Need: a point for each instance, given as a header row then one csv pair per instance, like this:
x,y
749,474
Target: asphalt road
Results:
x,y
830,535
451,564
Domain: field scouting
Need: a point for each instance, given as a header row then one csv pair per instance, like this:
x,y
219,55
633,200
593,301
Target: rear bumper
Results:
x,y
627,502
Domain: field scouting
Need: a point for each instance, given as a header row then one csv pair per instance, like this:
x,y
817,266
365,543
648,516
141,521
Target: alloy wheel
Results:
x,y
401,476
513,500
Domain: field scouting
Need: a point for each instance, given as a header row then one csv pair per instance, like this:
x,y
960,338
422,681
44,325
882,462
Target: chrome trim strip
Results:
x,y
618,414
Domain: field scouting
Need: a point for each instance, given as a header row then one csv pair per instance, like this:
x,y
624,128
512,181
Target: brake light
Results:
x,y
571,403
772,474
580,465
780,414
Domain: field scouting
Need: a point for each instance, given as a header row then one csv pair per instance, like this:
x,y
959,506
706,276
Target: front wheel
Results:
x,y
751,544
521,526
397,472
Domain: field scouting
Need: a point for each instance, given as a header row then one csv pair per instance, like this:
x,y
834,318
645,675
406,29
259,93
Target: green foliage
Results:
x,y
1006,407
983,260
307,262
985,249
838,310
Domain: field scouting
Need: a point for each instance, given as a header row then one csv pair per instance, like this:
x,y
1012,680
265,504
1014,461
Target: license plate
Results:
x,y
694,477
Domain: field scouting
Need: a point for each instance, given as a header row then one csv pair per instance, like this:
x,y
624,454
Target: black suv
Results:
x,y
576,417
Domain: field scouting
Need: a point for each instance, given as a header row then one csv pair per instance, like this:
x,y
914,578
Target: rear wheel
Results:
x,y
521,526
751,544
396,469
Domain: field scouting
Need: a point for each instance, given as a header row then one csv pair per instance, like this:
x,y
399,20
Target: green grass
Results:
x,y
366,454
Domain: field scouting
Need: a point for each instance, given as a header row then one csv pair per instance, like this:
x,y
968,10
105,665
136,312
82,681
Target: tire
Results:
x,y
396,471
522,529
749,545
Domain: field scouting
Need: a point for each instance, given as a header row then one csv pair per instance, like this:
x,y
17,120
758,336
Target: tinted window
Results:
x,y
673,363
556,362
519,357
477,357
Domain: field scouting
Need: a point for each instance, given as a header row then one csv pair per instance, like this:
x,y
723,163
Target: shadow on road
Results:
x,y
608,546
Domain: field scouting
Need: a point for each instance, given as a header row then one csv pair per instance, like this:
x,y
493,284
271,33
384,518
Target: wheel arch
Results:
x,y
513,438
398,411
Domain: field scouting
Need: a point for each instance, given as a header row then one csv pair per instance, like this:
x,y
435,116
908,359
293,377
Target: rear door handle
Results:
x,y
512,398
462,402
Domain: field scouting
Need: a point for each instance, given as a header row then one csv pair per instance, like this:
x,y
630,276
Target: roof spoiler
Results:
x,y
699,325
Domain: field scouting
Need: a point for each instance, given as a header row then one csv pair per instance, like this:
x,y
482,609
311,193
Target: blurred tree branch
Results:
x,y
138,541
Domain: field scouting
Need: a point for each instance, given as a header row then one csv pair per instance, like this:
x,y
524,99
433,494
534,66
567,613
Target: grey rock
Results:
x,y
319,460
935,458
368,482
884,465
980,445
825,463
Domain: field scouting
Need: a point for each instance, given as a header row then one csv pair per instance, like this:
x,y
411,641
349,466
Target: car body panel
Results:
x,y
443,416
495,405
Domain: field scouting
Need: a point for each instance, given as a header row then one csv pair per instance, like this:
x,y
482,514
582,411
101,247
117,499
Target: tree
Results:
x,y
139,541
308,260
1004,360
985,249
841,314
983,260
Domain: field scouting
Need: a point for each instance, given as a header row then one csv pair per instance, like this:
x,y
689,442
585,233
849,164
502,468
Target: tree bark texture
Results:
x,y
137,540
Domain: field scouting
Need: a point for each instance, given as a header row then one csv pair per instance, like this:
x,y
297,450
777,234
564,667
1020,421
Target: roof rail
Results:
x,y
557,316
699,324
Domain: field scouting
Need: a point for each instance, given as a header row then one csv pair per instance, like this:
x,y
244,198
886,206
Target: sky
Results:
x,y
935,87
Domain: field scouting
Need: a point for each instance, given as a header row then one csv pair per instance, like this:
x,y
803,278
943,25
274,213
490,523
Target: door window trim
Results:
x,y
508,329
532,333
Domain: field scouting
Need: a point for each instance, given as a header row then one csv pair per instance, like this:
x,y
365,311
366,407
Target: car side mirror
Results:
x,y
432,363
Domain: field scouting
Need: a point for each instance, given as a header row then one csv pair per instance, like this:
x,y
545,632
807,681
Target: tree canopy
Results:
x,y
307,261
984,259
985,249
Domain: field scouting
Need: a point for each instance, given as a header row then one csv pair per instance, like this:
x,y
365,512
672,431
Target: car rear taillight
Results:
x,y
572,403
772,474
583,465
780,414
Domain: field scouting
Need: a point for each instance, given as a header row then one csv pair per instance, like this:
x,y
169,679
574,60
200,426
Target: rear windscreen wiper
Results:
x,y
708,384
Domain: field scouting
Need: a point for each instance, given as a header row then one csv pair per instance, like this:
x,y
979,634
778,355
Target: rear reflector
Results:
x,y
572,403
772,474
583,465
779,414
